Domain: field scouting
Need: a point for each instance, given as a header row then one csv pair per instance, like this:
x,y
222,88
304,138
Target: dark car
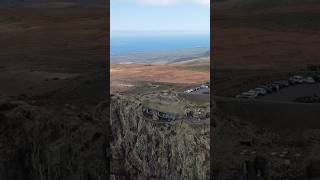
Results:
x,y
285,83
147,112
275,87
268,88
316,78
164,116
282,84
292,81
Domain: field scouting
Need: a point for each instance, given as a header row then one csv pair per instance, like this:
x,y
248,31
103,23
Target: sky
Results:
x,y
160,15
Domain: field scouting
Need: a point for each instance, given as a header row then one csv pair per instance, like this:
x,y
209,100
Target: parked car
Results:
x,y
204,86
242,95
298,79
164,116
248,95
282,84
268,88
309,80
260,91
292,81
253,93
285,83
275,86
279,83
316,78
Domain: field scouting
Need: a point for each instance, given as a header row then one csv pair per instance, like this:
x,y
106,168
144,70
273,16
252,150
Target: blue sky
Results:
x,y
160,15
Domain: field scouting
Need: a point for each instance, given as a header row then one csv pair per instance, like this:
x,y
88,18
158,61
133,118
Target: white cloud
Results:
x,y
157,2
203,2
166,2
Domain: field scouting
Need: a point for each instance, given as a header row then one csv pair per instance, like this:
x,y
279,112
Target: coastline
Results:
x,y
160,56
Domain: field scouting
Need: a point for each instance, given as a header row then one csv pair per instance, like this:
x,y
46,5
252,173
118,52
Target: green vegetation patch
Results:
x,y
202,65
202,68
163,107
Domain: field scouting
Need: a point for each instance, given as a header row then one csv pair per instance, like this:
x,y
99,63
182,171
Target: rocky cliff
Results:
x,y
39,143
67,143
144,149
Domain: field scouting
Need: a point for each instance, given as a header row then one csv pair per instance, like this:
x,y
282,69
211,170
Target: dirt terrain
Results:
x,y
43,51
126,76
53,78
263,42
257,42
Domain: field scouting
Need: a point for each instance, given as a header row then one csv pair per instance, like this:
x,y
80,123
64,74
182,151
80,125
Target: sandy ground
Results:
x,y
124,76
161,73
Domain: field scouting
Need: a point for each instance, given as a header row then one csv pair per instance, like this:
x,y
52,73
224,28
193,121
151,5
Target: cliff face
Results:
x,y
41,144
145,149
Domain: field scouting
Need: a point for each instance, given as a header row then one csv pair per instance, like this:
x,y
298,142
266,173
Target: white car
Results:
x,y
252,91
297,79
260,91
309,80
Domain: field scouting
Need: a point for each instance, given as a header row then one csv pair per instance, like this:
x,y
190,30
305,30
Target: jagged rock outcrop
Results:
x,y
145,149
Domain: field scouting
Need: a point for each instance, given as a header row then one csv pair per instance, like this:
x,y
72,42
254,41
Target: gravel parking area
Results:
x,y
293,92
201,91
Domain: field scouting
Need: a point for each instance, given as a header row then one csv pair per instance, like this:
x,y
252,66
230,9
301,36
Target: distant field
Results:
x,y
199,64
277,38
161,73
177,73
39,45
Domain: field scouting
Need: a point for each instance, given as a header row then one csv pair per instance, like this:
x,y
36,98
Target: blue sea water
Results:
x,y
124,43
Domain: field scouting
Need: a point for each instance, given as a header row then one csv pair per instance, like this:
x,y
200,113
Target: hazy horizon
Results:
x,y
160,15
161,29
128,42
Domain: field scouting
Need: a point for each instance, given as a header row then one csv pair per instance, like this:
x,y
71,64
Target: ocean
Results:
x,y
123,43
